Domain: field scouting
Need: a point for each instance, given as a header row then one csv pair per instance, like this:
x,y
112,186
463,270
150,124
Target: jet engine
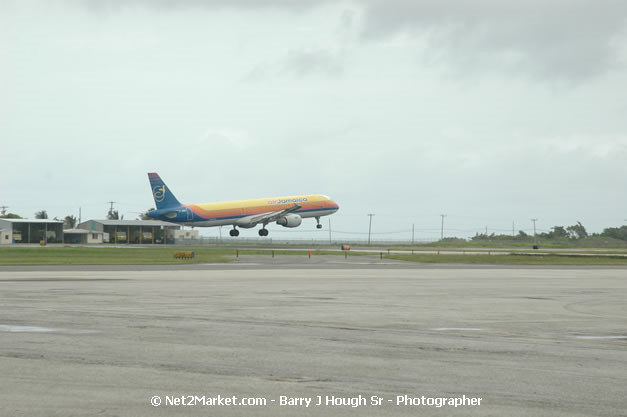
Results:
x,y
290,220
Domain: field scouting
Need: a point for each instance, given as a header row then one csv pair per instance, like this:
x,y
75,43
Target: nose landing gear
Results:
x,y
318,226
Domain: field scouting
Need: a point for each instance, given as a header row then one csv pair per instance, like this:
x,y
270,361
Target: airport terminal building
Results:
x,y
131,231
30,231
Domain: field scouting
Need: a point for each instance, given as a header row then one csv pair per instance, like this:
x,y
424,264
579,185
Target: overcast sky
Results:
x,y
488,111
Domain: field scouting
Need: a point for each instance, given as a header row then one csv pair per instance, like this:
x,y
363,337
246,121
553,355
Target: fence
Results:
x,y
217,241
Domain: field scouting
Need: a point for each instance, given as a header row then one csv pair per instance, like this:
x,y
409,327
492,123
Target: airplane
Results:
x,y
285,211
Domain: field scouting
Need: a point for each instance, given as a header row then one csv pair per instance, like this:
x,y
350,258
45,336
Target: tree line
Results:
x,y
573,232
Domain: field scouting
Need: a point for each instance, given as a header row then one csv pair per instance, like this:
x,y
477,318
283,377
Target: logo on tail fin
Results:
x,y
158,192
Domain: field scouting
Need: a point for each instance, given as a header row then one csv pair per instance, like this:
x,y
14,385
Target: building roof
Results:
x,y
147,223
78,231
32,221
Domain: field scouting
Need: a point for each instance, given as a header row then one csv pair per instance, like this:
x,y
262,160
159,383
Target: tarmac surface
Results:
x,y
103,341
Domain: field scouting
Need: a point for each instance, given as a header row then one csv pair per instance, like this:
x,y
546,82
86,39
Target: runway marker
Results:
x,y
35,329
601,337
25,329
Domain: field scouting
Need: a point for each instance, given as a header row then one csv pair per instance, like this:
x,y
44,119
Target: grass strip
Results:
x,y
103,256
513,259
69,255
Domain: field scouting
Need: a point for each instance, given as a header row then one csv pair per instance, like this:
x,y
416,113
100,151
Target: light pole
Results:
x,y
535,239
442,229
369,226
330,239
412,233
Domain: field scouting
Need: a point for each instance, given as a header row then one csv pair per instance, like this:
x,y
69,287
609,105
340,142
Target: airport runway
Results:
x,y
264,262
527,341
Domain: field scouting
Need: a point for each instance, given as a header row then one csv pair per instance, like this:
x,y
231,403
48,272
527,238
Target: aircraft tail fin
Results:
x,y
161,193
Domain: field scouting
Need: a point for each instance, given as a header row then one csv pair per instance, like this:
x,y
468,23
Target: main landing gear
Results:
x,y
318,226
263,232
234,232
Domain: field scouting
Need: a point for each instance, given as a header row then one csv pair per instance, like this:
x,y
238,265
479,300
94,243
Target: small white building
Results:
x,y
82,236
5,237
183,235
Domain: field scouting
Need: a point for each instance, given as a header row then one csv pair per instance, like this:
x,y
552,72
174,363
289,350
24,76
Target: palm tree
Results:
x,y
69,222
41,214
113,215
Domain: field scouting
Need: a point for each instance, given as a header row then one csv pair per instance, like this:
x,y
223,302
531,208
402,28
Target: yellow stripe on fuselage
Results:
x,y
271,203
256,206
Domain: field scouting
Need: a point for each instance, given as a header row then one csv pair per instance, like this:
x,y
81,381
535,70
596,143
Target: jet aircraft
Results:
x,y
285,211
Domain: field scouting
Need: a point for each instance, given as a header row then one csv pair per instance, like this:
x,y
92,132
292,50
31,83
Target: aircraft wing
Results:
x,y
269,217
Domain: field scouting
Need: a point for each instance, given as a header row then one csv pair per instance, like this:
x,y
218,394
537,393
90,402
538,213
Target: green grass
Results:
x,y
587,243
135,256
514,259
300,252
515,250
103,256
67,255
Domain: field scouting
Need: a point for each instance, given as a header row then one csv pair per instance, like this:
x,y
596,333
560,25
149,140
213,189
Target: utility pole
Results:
x,y
513,227
79,216
369,227
486,231
330,239
112,203
535,239
442,229
412,233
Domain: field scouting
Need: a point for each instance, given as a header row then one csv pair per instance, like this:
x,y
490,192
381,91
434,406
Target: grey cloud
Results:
x,y
556,39
313,61
258,73
570,40
114,5
299,63
347,19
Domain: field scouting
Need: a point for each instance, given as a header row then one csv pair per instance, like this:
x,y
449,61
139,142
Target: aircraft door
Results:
x,y
190,214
